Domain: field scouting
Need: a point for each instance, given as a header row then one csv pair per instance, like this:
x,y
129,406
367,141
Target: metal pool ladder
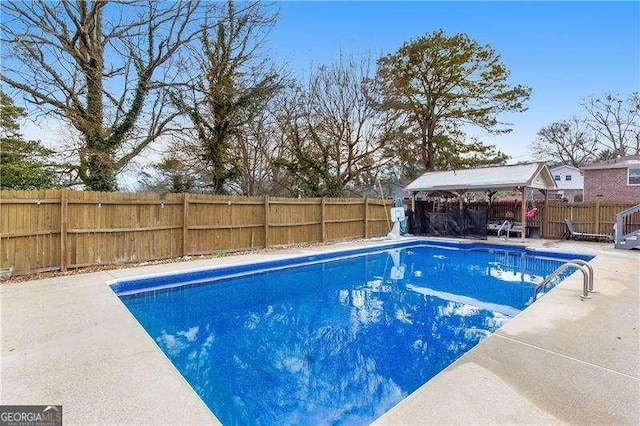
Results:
x,y
587,277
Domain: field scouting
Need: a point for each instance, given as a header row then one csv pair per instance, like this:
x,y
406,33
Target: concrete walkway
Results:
x,y
70,341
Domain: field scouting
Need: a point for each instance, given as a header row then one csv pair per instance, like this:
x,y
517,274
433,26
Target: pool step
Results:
x,y
629,241
624,220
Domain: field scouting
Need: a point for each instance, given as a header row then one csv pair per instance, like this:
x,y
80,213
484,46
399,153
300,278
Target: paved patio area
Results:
x,y
70,341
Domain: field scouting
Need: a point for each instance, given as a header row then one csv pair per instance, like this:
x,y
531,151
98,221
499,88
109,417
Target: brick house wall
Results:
x,y
609,184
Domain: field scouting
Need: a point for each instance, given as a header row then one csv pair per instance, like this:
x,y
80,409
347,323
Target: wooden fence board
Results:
x,y
29,229
40,231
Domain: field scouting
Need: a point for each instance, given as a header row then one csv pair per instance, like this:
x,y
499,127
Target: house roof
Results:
x,y
617,163
531,175
564,167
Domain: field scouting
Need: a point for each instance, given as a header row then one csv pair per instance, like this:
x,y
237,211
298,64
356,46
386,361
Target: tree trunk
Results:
x,y
428,150
100,175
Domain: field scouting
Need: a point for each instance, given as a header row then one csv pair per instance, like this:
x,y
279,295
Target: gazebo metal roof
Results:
x,y
498,178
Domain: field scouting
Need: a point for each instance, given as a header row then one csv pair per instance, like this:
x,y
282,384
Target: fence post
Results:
x,y
546,226
597,231
266,221
323,218
366,217
185,224
64,205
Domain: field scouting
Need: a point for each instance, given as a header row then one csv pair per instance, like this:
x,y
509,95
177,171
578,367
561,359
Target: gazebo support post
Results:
x,y
545,216
461,207
413,201
523,215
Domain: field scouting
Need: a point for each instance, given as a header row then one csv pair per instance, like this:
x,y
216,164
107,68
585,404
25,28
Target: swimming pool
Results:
x,y
332,338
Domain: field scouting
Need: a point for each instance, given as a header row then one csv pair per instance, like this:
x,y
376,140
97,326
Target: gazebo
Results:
x,y
518,177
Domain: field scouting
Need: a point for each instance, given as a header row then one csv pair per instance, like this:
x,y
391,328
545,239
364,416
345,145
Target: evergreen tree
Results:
x,y
24,164
437,85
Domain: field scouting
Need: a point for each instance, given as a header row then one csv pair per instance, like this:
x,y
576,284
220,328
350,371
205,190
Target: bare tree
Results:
x,y
567,142
343,115
230,84
257,148
99,65
305,166
615,123
256,145
336,133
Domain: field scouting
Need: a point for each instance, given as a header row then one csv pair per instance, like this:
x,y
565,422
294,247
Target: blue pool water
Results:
x,y
335,338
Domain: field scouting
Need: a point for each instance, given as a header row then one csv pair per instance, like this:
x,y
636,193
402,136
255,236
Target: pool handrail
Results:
x,y
587,277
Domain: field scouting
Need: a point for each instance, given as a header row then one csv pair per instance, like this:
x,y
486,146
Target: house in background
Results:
x,y
390,189
570,183
617,180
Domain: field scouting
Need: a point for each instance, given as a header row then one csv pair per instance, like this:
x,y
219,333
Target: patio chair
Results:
x,y
571,233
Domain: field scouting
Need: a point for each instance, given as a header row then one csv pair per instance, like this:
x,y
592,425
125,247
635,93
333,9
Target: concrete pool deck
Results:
x,y
70,341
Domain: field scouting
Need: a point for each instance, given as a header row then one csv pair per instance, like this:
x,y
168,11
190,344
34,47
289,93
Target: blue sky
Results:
x,y
565,51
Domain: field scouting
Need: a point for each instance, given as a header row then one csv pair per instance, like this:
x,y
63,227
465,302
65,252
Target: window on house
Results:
x,y
557,177
633,176
567,177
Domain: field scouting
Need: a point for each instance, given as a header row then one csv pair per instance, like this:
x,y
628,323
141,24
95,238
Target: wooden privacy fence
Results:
x,y
595,217
60,229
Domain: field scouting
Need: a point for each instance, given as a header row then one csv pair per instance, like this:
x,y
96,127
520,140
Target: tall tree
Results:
x,y
609,128
343,116
336,133
441,83
615,123
24,164
230,85
452,153
567,142
98,65
302,169
259,144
